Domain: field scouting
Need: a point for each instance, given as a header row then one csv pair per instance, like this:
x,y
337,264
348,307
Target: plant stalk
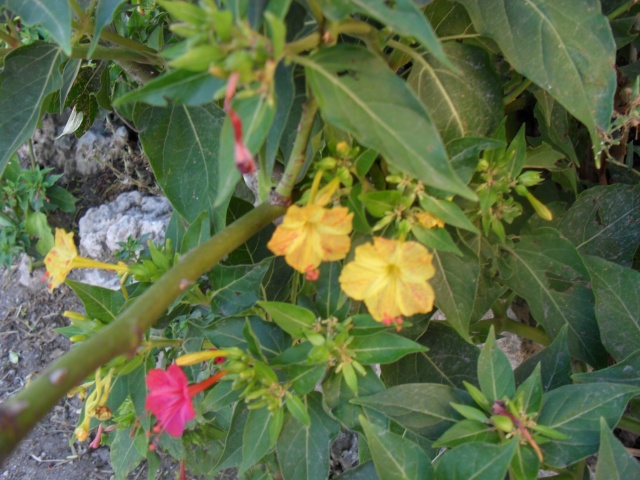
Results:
x,y
107,53
630,424
20,413
505,324
298,153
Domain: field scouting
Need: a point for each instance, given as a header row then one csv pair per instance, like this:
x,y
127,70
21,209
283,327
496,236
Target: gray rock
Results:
x,y
129,215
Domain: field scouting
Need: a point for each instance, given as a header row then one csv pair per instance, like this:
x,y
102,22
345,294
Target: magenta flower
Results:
x,y
169,397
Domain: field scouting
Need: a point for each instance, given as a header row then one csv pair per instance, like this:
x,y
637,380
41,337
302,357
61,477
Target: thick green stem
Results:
x,y
516,92
312,40
505,324
298,153
630,424
123,336
109,53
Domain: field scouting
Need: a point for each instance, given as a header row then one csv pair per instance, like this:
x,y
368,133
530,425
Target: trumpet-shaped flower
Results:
x,y
390,276
169,398
63,258
313,234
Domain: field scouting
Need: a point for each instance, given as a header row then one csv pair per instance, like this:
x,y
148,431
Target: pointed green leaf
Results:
x,y
364,471
347,81
547,271
565,47
182,87
525,464
125,452
20,101
617,293
103,16
100,303
494,371
53,15
438,364
626,371
476,461
236,288
329,298
530,392
555,363
448,212
463,291
468,431
437,239
303,451
575,410
614,461
340,398
292,319
383,347
462,103
605,221
423,408
232,454
182,146
256,439
395,457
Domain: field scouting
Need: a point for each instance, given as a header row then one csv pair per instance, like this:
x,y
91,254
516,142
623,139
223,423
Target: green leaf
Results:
x,y
36,225
100,303
292,319
462,103
555,363
381,203
575,410
329,297
438,364
347,81
494,371
236,288
627,372
383,347
228,332
617,293
53,15
614,461
182,146
437,239
220,396
448,212
468,431
103,16
463,291
530,392
480,461
605,221
20,101
285,91
256,439
423,408
181,87
303,451
233,446
395,457
199,231
340,398
364,471
525,464
565,47
125,452
554,125
465,152
256,114
547,271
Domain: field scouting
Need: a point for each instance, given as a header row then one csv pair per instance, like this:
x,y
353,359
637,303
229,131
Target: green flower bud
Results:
x,y
502,423
530,178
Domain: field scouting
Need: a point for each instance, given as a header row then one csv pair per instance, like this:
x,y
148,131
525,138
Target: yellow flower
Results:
x,y
313,234
63,257
391,277
428,220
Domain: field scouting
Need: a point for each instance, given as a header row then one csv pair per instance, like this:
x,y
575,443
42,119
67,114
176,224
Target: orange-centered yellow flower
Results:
x,y
390,276
63,257
313,234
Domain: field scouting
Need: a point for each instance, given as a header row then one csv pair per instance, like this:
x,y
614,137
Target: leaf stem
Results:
x,y
517,91
621,9
609,159
114,53
314,39
502,323
629,423
298,153
123,336
9,39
